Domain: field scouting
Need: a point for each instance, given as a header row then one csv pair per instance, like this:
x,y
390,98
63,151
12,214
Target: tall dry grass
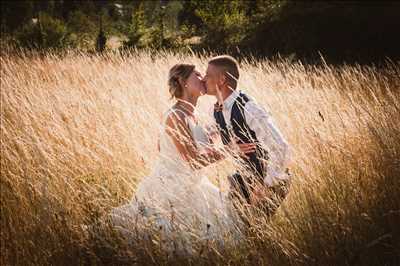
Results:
x,y
78,132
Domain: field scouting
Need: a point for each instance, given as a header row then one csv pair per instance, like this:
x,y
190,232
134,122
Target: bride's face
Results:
x,y
194,84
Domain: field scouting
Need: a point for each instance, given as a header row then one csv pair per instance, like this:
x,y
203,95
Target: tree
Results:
x,y
43,33
136,27
225,23
101,39
14,14
82,29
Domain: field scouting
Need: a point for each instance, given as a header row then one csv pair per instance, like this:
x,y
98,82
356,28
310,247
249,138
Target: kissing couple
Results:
x,y
176,198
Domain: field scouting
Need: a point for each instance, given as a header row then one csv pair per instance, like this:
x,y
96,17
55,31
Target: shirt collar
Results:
x,y
228,102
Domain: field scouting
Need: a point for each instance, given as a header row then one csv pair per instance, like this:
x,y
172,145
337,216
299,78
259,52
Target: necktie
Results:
x,y
219,118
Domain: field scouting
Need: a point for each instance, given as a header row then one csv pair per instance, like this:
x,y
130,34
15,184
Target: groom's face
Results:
x,y
212,79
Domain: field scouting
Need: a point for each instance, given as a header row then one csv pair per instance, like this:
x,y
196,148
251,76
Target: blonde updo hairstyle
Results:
x,y
178,74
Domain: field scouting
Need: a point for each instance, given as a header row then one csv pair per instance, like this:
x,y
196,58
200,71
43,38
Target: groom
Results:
x,y
242,122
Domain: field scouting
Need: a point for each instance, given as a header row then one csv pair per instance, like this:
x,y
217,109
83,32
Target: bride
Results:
x,y
175,198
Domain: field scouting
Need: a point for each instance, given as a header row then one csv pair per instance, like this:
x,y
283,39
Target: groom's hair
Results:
x,y
229,66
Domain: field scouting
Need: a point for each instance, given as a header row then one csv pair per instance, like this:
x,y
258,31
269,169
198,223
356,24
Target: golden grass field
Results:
x,y
79,131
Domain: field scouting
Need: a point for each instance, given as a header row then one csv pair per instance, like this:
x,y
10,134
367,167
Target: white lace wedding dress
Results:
x,y
180,202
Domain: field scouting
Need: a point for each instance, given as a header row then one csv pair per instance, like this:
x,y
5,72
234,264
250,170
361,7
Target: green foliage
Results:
x,y
77,19
81,35
225,23
136,28
260,27
155,25
43,33
170,18
341,30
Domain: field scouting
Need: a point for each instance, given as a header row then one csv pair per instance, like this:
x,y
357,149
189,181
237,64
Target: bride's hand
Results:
x,y
212,133
242,149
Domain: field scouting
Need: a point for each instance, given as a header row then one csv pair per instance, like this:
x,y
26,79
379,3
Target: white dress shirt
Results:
x,y
270,138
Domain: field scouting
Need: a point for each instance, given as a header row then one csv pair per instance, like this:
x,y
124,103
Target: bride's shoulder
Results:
x,y
174,115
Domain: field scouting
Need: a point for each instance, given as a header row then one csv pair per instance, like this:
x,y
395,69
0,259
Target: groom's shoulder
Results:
x,y
246,97
252,104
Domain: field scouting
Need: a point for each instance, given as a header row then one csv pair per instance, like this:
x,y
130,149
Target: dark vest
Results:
x,y
244,134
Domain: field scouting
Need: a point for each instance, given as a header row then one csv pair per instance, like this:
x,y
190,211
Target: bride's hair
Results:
x,y
178,73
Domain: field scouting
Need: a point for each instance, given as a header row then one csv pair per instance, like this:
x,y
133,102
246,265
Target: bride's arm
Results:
x,y
179,131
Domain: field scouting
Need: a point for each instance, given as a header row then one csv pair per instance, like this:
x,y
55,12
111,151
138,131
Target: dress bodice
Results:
x,y
169,157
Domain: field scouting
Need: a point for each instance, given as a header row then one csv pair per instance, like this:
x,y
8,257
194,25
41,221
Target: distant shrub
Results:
x,y
43,33
81,29
136,28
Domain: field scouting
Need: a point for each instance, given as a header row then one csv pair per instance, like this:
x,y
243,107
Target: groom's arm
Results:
x,y
272,140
